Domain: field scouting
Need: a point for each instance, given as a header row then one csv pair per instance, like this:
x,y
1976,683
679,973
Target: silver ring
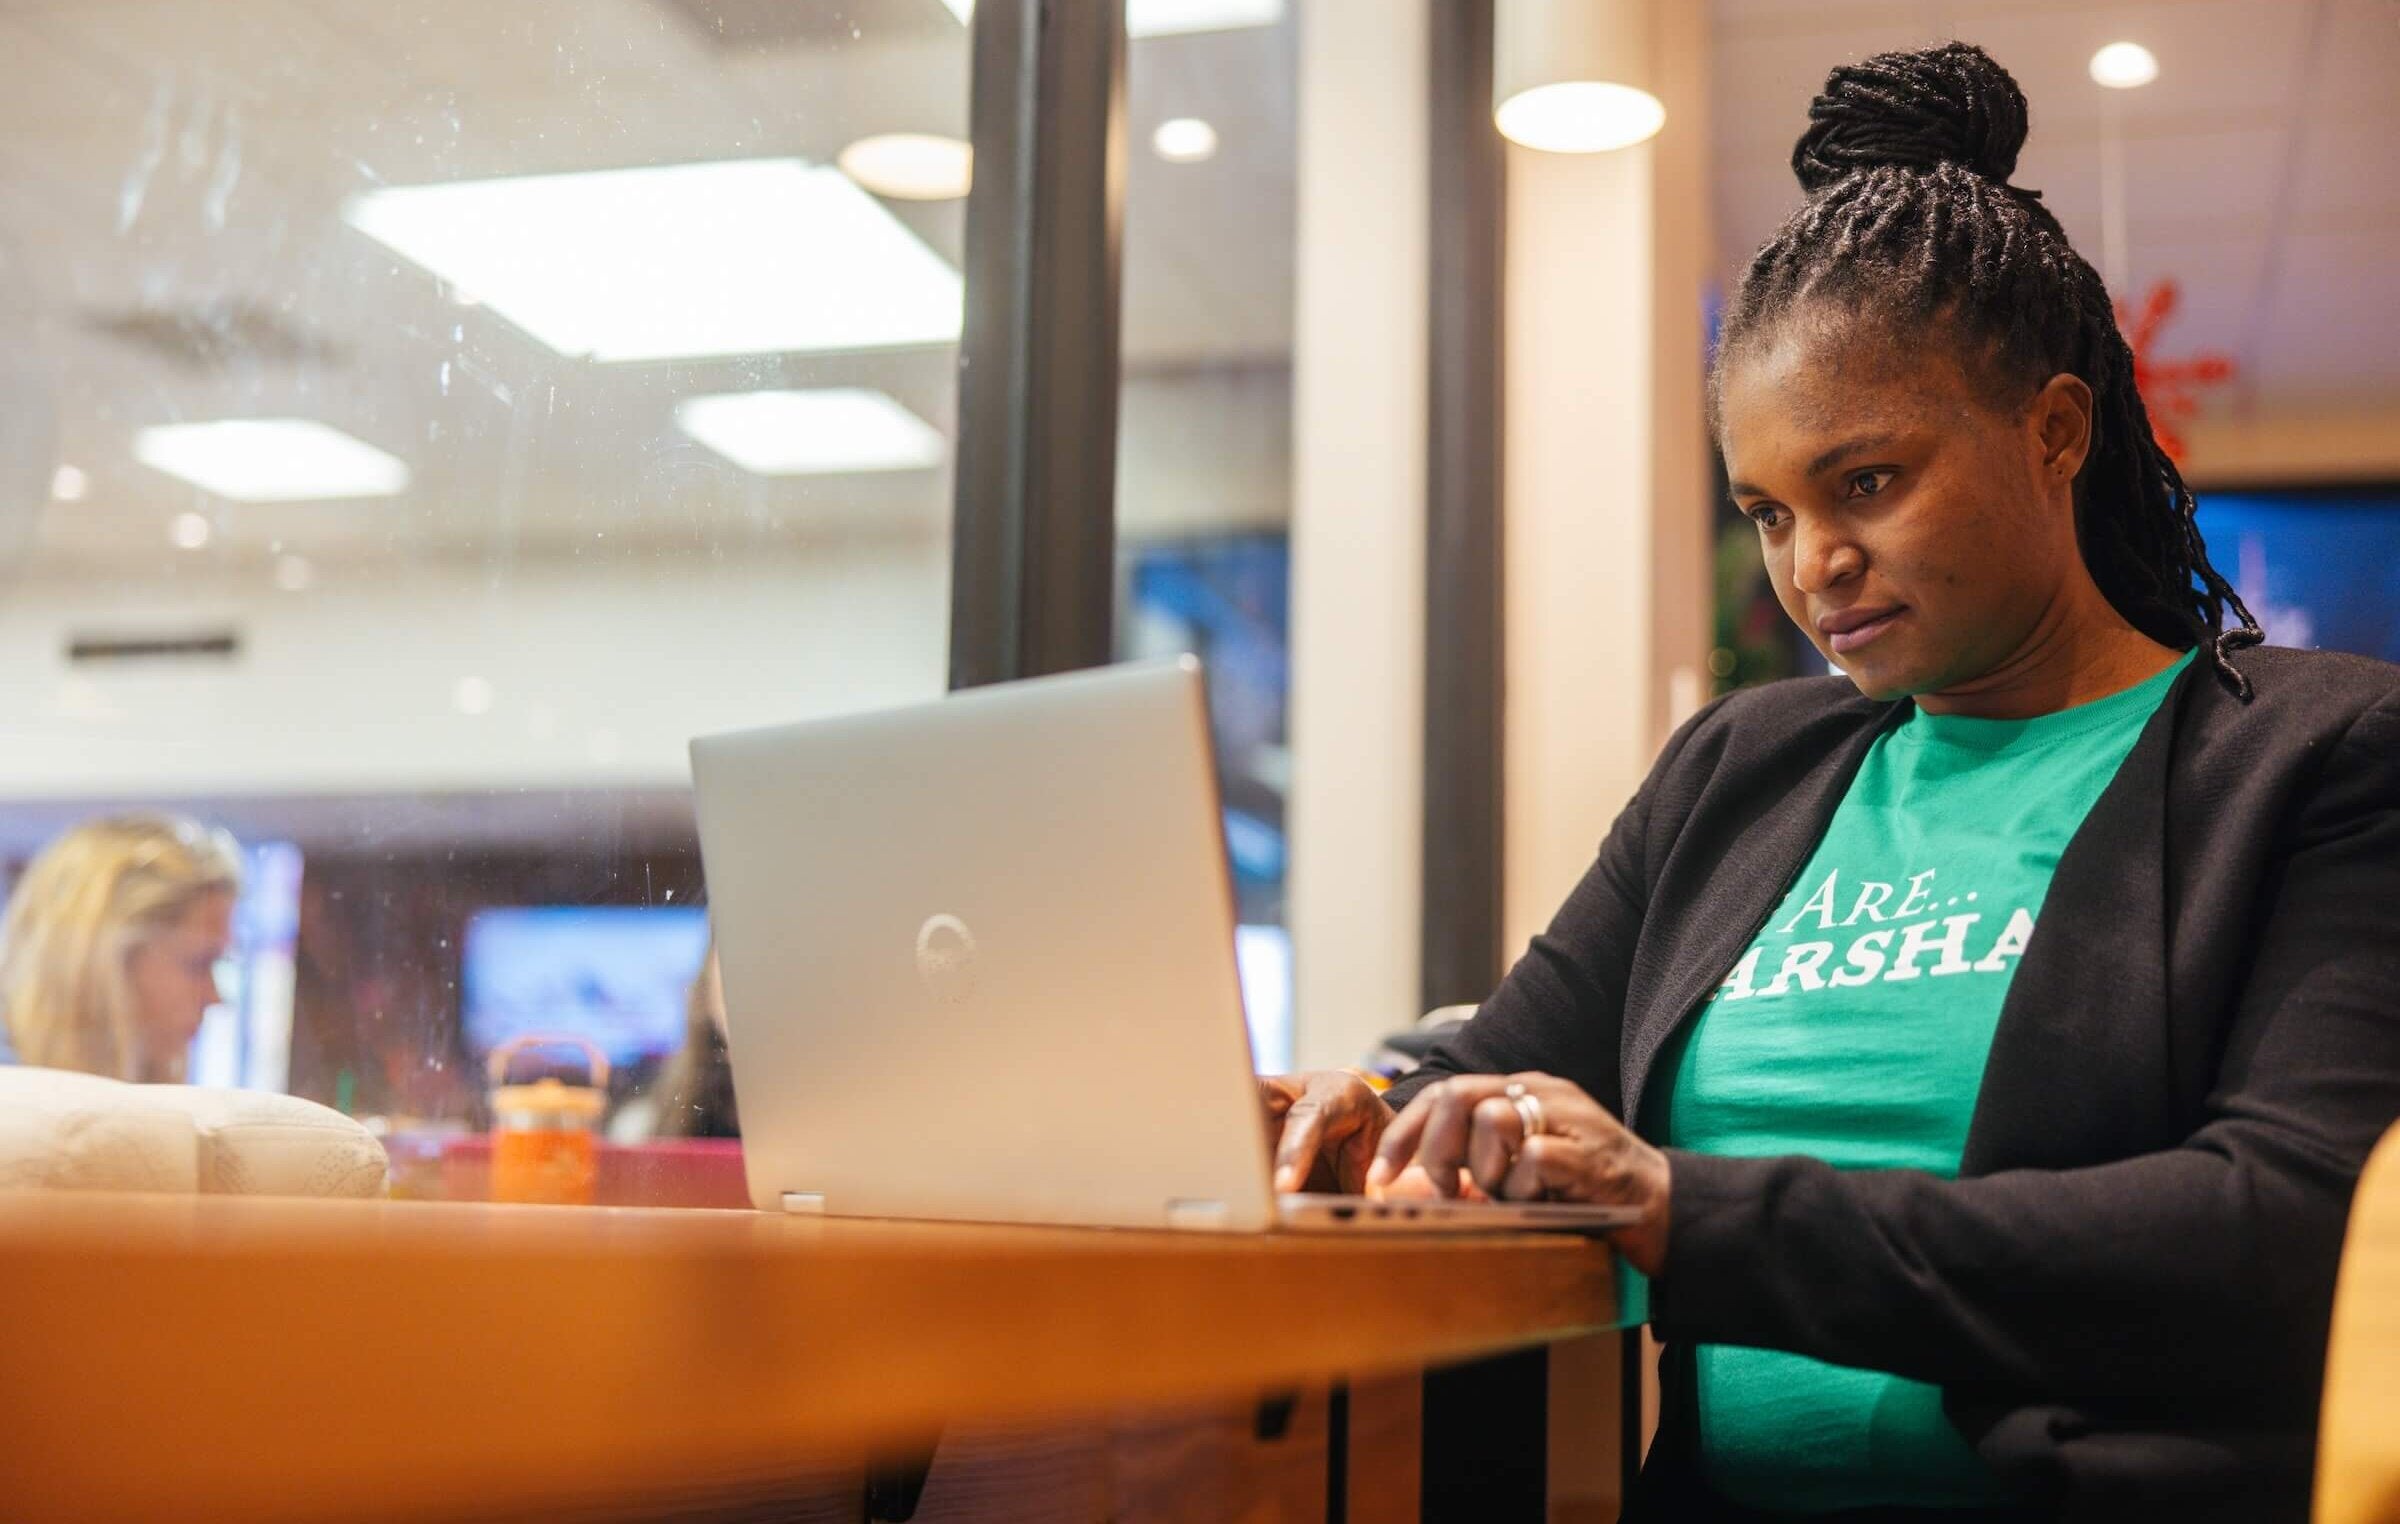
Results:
x,y
1530,1118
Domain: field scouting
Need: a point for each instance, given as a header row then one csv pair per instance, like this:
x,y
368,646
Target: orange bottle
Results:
x,y
545,1144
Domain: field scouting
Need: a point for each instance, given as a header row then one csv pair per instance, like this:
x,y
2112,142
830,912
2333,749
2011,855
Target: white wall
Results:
x,y
599,674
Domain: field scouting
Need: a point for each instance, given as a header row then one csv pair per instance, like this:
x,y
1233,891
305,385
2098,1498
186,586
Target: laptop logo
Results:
x,y
946,959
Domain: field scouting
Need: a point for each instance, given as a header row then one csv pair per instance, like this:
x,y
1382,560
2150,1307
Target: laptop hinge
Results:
x,y
1196,1212
805,1203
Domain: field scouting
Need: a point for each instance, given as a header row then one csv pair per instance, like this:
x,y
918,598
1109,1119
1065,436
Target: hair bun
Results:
x,y
1945,105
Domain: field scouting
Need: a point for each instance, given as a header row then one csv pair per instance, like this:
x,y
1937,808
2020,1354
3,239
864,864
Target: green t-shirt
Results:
x,y
1855,1030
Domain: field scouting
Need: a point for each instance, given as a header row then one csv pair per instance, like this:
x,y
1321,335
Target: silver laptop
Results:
x,y
978,965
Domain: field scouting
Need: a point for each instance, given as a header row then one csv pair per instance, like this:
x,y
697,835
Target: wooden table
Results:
x,y
221,1357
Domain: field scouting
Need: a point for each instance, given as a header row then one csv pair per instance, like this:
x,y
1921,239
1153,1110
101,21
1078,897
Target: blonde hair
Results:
x,y
85,905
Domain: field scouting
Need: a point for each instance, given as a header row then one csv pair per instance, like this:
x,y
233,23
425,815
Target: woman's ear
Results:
x,y
2062,423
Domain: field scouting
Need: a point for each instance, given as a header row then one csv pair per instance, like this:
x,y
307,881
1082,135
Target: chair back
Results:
x,y
2358,1443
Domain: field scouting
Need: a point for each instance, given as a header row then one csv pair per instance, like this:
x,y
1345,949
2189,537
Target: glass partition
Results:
x,y
418,419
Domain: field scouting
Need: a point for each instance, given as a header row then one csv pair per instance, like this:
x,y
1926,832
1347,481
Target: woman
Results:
x,y
109,949
693,1094
1944,1215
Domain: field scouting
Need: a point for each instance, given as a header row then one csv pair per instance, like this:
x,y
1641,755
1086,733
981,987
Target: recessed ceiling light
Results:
x,y
1580,116
293,573
2124,66
911,166
1184,140
749,256
190,531
812,433
1168,18
473,695
271,460
68,484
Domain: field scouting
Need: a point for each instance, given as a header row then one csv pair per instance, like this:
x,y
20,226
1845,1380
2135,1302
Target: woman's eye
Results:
x,y
1868,483
1766,515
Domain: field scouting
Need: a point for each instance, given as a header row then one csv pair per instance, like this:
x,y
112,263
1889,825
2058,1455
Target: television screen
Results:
x,y
617,975
2318,569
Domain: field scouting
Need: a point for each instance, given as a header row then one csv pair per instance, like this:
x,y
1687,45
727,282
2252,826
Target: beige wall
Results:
x,y
1607,477
1358,525
2285,448
1606,546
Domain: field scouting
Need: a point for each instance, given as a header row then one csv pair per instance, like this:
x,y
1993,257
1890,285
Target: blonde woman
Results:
x,y
108,953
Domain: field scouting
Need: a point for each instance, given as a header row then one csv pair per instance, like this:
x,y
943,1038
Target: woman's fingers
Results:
x,y
1545,1165
1399,1145
1449,1130
1296,1149
1435,1131
1467,1129
1355,1152
1496,1132
1443,1149
1322,1123
1465,1136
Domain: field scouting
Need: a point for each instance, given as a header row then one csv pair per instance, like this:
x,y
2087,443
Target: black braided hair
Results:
x,y
1911,222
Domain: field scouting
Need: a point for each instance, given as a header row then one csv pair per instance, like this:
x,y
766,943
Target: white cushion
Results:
x,y
68,1132
79,1131
256,1144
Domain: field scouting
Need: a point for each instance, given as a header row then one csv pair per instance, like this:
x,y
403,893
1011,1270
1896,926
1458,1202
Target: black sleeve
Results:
x,y
1560,1009
2200,1275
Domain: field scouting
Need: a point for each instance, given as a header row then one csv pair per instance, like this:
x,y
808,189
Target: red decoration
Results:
x,y
2167,386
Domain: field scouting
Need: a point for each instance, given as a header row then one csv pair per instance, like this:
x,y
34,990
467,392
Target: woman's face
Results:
x,y
1915,531
174,975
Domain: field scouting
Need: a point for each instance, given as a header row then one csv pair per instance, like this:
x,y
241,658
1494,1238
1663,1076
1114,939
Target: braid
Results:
x,y
1911,221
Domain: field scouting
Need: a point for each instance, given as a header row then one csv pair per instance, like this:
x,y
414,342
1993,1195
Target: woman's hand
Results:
x,y
1467,1126
1323,1126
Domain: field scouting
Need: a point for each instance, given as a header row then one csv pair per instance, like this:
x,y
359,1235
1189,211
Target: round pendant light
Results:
x,y
1575,76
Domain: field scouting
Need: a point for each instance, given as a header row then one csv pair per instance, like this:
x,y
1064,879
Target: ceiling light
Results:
x,y
750,256
68,484
473,695
1168,18
1184,140
2124,66
271,460
1573,76
911,166
293,573
812,433
190,531
1580,116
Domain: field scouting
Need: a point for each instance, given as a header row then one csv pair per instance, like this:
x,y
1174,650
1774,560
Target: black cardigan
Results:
x,y
2125,1294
